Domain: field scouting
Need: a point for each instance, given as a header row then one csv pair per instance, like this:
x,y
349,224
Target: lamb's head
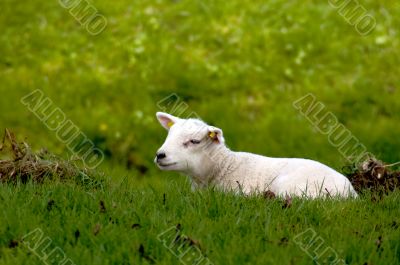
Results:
x,y
189,145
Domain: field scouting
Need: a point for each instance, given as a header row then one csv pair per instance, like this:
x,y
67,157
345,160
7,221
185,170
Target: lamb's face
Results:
x,y
187,145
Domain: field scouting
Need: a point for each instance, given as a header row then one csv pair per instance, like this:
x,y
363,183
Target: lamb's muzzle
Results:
x,y
198,150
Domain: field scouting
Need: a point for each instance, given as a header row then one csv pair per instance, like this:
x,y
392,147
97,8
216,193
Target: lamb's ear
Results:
x,y
166,120
216,134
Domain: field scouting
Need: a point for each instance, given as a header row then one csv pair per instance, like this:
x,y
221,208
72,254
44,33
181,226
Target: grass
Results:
x,y
238,65
235,65
109,226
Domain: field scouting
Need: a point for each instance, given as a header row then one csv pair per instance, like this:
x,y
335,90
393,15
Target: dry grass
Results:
x,y
22,164
375,176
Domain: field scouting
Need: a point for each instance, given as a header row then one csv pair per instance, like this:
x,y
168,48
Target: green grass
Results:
x,y
228,229
240,66
236,65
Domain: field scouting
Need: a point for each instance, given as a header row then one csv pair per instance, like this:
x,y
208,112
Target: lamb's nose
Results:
x,y
160,155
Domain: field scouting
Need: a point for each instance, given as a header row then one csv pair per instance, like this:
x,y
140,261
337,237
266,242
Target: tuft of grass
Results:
x,y
24,164
375,176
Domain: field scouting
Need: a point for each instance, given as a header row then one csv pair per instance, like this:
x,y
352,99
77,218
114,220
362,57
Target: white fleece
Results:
x,y
251,173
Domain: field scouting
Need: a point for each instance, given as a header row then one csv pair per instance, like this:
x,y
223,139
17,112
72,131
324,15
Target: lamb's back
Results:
x,y
290,176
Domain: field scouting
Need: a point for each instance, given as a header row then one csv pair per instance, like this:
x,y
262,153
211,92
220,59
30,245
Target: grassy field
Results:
x,y
109,226
239,66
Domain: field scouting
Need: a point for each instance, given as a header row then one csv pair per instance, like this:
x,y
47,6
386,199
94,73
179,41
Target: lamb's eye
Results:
x,y
195,141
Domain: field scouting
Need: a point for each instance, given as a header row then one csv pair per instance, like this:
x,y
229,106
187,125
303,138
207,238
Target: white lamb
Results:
x,y
198,150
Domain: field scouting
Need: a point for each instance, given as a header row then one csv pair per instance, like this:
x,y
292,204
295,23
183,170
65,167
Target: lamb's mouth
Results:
x,y
166,165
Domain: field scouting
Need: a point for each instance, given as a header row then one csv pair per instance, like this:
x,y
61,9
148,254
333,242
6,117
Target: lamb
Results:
x,y
198,150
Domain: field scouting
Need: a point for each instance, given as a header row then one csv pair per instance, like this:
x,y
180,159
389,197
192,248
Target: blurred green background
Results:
x,y
238,65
